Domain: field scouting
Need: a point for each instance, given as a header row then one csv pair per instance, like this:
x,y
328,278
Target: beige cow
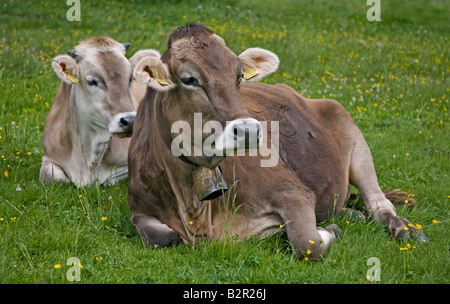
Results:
x,y
93,112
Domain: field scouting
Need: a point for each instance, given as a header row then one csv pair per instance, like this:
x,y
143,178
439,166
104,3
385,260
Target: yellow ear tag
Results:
x,y
71,77
162,81
250,73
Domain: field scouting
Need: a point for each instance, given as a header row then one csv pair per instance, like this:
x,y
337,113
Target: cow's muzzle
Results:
x,y
122,124
240,135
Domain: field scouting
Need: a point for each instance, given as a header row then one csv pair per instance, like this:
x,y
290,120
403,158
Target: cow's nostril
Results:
x,y
124,122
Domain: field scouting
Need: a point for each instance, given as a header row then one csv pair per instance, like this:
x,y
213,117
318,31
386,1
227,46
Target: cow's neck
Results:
x,y
194,215
89,143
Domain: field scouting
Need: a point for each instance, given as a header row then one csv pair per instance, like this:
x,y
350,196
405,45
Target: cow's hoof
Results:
x,y
355,214
333,228
417,236
402,230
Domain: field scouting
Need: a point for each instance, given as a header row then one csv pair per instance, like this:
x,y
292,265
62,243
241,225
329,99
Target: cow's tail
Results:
x,y
396,196
400,197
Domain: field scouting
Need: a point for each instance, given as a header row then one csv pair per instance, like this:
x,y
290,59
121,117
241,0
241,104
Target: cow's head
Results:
x,y
101,77
199,74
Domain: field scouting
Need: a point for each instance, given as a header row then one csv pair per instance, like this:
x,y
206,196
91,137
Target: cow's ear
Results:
x,y
258,63
153,72
141,54
66,68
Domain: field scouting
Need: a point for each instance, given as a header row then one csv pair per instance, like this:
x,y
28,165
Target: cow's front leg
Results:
x,y
308,240
363,176
152,231
51,172
400,228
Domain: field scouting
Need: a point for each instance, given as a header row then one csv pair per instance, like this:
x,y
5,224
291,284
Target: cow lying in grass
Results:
x,y
93,111
321,151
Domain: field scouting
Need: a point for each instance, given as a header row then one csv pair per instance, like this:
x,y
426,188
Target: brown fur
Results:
x,y
400,197
321,153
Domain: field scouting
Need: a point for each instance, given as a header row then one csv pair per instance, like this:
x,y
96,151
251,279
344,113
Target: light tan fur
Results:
x,y
95,92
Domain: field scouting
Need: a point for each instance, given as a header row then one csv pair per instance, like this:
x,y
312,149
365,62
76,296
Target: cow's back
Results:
x,y
305,144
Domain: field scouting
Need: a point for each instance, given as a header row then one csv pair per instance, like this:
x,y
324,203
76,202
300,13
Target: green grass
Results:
x,y
391,76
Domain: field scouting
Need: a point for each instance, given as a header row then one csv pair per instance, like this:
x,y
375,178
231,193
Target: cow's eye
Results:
x,y
92,82
190,81
239,79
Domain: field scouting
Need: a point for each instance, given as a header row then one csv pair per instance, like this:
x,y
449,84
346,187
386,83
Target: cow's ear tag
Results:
x,y
71,77
162,81
250,73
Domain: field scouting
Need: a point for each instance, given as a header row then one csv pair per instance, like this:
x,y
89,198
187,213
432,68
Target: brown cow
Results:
x,y
94,102
321,152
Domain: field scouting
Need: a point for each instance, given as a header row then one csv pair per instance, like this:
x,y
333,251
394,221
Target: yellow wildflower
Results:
x,y
434,221
419,226
57,266
311,242
104,218
75,264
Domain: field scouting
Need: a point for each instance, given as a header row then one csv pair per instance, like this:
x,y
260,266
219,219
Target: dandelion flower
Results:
x,y
57,266
5,174
104,218
306,258
418,226
406,228
311,242
434,221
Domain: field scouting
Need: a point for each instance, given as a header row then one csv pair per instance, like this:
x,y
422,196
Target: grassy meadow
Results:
x,y
392,76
